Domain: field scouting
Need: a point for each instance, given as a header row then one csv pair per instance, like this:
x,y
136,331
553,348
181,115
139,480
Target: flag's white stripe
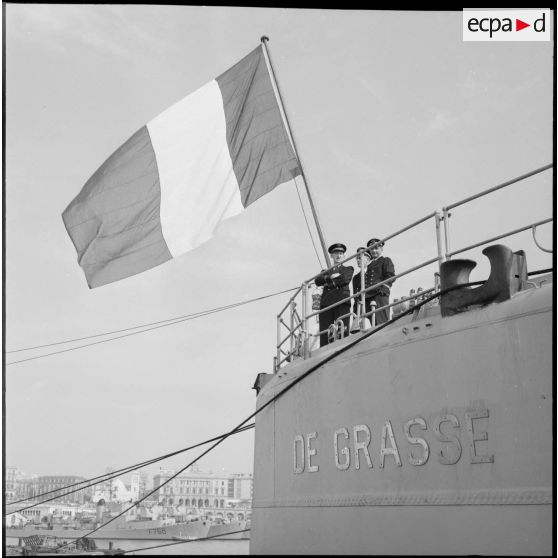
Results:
x,y
198,185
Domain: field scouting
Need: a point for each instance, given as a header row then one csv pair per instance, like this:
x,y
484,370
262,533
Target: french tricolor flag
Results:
x,y
165,190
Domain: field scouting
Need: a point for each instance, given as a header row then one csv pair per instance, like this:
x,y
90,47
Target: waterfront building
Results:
x,y
134,488
117,490
34,515
15,520
51,512
28,487
196,492
145,483
241,486
48,483
193,489
12,478
18,485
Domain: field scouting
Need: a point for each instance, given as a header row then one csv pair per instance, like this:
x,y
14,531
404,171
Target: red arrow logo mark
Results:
x,y
519,25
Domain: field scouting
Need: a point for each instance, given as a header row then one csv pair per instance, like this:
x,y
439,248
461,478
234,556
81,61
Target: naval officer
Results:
x,y
336,282
379,269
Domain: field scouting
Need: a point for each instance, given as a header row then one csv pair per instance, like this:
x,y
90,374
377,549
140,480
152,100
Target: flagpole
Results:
x,y
264,39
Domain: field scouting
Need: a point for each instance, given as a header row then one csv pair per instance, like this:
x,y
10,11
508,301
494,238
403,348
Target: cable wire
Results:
x,y
275,397
193,315
222,439
119,472
284,390
112,474
307,224
165,323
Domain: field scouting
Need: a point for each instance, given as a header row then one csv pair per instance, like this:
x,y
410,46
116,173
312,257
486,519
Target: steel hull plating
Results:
x,y
229,530
433,436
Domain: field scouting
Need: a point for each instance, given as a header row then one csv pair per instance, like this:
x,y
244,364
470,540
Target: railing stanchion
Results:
x,y
305,312
362,298
291,333
441,256
278,357
445,218
303,342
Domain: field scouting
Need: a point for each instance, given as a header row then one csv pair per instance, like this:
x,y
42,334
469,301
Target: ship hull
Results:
x,y
232,530
432,436
188,531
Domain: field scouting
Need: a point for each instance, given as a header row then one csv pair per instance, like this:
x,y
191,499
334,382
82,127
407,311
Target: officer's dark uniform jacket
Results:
x,y
377,271
335,288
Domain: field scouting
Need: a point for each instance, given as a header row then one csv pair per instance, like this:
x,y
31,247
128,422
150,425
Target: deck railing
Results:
x,y
299,307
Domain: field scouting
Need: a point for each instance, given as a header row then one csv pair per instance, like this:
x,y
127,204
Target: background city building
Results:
x,y
12,478
193,493
241,486
49,483
197,492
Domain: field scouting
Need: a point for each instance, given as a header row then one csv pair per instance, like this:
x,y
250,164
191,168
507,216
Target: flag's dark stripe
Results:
x,y
260,150
114,222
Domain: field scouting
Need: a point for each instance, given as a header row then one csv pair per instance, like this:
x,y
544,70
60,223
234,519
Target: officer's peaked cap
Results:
x,y
337,246
363,251
374,241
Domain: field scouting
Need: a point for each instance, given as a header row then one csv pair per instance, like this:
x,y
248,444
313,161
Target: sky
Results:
x,y
394,116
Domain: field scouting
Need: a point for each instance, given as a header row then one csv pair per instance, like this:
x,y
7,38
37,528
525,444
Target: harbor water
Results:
x,y
169,548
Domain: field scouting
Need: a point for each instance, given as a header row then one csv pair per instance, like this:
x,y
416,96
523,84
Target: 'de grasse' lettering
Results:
x,y
354,447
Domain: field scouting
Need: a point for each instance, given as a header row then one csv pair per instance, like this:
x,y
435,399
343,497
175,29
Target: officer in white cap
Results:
x,y
336,283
